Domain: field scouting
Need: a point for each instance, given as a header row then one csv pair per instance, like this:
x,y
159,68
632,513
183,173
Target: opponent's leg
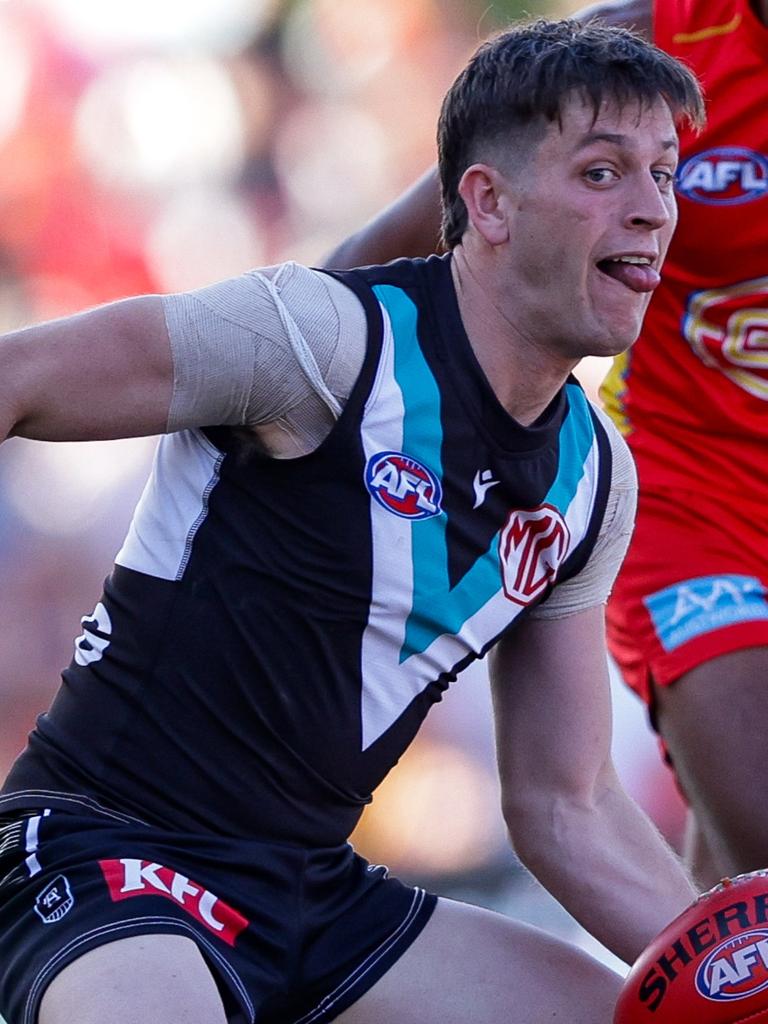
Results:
x,y
714,719
470,964
136,980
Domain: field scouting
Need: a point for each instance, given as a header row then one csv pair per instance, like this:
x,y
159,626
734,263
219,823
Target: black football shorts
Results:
x,y
291,934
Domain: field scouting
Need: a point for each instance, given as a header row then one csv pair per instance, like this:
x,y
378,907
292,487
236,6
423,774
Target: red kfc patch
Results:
x,y
129,877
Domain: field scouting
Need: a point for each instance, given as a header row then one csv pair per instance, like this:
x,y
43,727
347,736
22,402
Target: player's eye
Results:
x,y
601,175
664,178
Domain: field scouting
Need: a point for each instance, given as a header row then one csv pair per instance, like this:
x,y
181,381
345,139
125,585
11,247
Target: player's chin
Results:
x,y
709,966
620,323
614,336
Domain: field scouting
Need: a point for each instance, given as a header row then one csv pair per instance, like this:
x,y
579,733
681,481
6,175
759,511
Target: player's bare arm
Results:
x,y
634,14
410,225
569,819
101,374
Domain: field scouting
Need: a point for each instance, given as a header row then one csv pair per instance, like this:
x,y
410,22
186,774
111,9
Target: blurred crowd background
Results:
x,y
161,145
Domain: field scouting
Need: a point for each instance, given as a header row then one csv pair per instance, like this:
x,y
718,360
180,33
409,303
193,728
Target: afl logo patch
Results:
x,y
736,969
403,485
724,176
531,547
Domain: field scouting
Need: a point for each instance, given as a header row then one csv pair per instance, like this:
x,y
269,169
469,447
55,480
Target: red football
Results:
x,y
709,966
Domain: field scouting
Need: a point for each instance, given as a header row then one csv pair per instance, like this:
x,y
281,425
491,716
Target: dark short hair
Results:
x,y
518,81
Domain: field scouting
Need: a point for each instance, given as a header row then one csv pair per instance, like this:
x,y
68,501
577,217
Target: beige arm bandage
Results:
x,y
276,350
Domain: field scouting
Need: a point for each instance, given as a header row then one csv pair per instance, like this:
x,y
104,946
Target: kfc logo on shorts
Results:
x,y
736,969
403,485
724,176
128,877
532,546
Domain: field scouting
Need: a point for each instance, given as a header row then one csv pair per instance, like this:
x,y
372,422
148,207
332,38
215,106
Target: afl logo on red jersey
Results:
x,y
403,485
724,176
531,547
736,969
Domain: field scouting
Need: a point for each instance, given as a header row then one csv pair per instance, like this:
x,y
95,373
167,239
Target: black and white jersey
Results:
x,y
275,630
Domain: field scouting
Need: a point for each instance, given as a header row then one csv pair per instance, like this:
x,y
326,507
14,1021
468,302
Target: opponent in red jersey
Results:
x,y
689,607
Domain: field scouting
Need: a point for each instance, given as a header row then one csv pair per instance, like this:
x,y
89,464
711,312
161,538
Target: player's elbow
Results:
x,y
544,820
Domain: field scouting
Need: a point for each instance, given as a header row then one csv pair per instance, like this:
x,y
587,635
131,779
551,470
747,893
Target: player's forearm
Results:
x,y
606,863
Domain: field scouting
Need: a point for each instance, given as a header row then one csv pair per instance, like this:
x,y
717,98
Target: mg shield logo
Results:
x,y
724,176
532,546
736,969
403,485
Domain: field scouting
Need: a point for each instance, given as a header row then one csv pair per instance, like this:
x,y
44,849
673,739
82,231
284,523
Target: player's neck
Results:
x,y
524,376
760,7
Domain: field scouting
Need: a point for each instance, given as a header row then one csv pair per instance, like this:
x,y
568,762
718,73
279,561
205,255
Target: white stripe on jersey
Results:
x,y
173,506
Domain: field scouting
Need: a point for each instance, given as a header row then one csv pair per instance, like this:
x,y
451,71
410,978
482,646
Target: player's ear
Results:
x,y
481,188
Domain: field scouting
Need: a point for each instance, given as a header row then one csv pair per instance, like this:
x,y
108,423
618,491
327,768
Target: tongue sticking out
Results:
x,y
640,277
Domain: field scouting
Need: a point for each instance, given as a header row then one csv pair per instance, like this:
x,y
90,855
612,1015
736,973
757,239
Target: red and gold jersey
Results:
x,y
692,394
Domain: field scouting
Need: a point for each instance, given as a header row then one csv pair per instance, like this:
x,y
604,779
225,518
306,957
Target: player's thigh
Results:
x,y
714,720
470,964
160,978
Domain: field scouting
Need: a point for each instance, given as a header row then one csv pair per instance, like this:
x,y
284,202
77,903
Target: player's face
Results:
x,y
591,216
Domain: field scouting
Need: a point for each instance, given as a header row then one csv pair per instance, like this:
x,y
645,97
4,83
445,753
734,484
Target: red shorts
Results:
x,y
692,587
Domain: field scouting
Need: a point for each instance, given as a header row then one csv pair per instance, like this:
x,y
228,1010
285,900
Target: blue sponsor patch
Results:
x,y
703,604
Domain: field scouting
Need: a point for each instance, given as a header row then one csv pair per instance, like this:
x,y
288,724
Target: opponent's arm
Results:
x,y
569,818
410,226
100,374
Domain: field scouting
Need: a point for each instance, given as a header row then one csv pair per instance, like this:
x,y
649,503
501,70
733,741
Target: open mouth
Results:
x,y
635,272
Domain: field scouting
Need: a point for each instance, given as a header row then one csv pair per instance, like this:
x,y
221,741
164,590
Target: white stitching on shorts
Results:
x,y
43,976
327,1002
73,798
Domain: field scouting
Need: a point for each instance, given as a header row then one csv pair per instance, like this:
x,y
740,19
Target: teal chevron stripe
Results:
x,y
437,609
576,436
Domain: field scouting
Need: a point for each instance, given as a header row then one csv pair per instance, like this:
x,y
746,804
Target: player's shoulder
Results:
x,y
633,14
623,472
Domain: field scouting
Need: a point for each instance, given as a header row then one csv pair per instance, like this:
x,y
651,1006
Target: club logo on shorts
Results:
x,y
724,176
403,485
54,901
532,546
737,968
129,877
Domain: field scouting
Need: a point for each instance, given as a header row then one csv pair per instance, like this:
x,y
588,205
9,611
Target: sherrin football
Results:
x,y
709,966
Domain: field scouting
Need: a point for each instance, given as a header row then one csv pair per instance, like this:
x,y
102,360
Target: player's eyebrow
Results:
x,y
618,139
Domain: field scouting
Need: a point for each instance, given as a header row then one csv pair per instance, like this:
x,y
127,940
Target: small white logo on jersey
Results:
x,y
97,629
482,483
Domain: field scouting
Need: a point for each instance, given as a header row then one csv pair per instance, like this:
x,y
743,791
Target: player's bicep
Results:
x,y
552,708
101,374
